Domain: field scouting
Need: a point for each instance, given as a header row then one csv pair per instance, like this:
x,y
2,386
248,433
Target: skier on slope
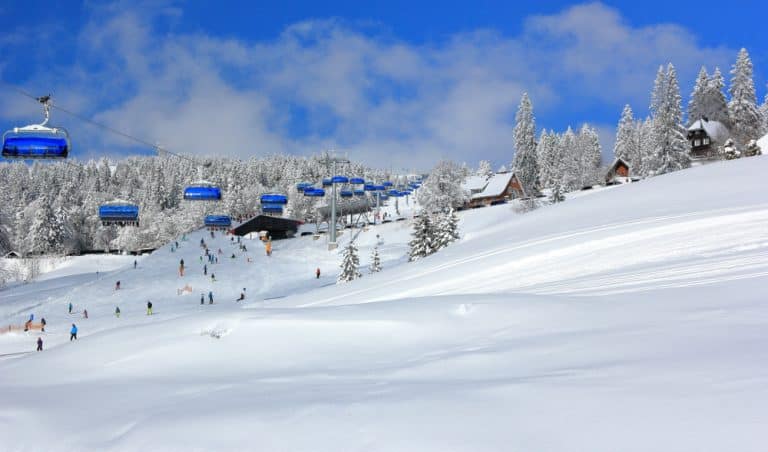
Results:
x,y
149,307
117,312
73,333
39,344
202,298
210,297
70,308
317,273
42,324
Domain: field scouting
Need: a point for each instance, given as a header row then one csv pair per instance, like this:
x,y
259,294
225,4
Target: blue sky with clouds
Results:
x,y
393,83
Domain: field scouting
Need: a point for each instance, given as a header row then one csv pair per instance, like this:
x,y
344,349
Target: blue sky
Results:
x,y
395,83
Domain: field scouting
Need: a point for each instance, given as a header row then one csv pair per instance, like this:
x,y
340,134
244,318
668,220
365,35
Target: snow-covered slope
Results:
x,y
629,319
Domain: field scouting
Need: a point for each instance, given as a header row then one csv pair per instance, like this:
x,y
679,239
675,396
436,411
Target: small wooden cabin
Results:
x,y
500,188
706,137
618,173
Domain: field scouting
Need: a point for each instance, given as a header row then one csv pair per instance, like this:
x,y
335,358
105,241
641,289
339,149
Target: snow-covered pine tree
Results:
x,y
375,266
715,105
447,230
745,118
422,244
350,263
696,103
627,145
764,113
590,154
484,169
671,146
442,190
547,158
570,161
526,168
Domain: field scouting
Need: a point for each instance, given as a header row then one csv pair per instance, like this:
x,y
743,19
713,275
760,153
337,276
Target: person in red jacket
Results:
x,y
317,273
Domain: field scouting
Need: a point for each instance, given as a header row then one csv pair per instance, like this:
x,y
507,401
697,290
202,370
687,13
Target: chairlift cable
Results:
x,y
158,149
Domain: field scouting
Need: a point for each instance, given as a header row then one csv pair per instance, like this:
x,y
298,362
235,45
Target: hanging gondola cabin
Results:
x,y
37,141
119,214
218,222
202,192
314,192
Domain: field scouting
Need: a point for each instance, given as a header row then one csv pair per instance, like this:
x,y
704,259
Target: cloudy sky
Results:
x,y
394,83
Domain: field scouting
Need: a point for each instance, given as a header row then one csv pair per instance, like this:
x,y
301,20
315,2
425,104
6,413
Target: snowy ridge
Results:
x,y
631,318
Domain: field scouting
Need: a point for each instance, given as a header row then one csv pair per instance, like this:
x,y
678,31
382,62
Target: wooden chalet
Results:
x,y
498,189
618,173
706,137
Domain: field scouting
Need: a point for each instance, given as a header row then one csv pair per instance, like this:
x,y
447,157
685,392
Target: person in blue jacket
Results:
x,y
73,333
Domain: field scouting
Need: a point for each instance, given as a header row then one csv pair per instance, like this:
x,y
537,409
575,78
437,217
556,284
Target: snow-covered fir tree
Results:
x,y
764,113
747,123
671,146
442,190
526,168
697,100
423,242
484,169
627,145
590,154
447,230
570,161
375,266
548,159
715,105
350,263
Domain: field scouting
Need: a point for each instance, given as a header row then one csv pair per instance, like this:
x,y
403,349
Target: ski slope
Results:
x,y
631,318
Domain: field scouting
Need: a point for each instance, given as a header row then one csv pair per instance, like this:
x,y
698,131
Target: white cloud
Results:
x,y
323,83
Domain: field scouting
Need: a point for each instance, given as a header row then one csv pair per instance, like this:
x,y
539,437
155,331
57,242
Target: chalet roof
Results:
x,y
496,185
714,129
474,183
276,226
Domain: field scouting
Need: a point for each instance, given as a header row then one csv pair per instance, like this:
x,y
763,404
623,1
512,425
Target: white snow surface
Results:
x,y
627,319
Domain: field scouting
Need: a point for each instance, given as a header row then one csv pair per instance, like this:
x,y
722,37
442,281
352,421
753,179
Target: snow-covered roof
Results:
x,y
474,183
715,130
496,185
763,143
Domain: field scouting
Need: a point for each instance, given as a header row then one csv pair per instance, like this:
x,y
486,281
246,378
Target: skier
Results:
x,y
202,242
42,324
317,273
70,308
117,312
181,271
181,263
134,264
85,313
213,277
215,259
242,297
202,298
205,269
201,258
73,333
117,285
210,297
39,344
233,255
31,317
149,307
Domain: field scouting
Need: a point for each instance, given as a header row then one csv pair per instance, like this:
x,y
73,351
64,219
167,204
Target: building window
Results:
x,y
705,140
697,142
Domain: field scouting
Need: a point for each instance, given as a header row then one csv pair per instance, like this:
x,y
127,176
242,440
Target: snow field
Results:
x,y
630,319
